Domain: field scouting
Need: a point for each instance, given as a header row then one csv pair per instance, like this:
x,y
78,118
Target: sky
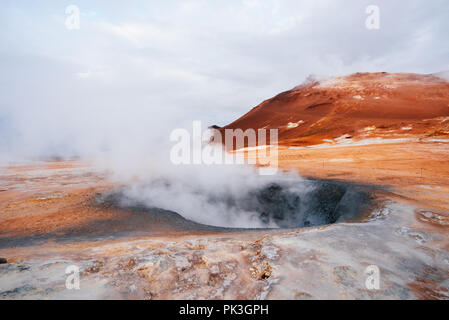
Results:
x,y
136,70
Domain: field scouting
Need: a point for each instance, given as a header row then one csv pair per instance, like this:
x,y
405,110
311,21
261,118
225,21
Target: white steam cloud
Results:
x,y
213,195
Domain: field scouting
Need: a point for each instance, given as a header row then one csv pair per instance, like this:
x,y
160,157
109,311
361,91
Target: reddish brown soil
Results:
x,y
374,104
59,200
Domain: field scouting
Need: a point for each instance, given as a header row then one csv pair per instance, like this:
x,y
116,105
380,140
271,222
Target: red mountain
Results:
x,y
360,105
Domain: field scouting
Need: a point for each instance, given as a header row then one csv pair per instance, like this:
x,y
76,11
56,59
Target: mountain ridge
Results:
x,y
360,105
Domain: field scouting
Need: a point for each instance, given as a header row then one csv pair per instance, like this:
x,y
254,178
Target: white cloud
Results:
x,y
154,66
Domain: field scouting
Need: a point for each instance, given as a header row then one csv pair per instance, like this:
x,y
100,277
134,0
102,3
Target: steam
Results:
x,y
216,195
236,196
208,194
443,75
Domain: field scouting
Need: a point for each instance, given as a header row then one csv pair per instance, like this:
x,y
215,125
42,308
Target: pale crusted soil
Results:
x,y
48,222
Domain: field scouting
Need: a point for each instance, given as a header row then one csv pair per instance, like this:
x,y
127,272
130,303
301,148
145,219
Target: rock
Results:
x,y
3,260
262,271
94,267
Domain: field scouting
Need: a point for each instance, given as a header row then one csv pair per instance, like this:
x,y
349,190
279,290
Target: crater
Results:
x,y
282,204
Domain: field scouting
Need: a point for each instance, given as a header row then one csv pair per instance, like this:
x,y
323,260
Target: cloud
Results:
x,y
134,73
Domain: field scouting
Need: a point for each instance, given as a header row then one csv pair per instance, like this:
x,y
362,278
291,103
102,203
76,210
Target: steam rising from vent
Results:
x,y
236,197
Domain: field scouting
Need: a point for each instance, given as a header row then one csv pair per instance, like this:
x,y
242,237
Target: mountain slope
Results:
x,y
358,106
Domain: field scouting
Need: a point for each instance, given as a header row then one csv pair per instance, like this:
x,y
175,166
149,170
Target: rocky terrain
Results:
x,y
385,133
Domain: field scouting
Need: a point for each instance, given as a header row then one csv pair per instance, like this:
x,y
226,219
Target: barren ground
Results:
x,y
48,221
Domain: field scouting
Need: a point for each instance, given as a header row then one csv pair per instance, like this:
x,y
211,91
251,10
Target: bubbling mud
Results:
x,y
281,204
